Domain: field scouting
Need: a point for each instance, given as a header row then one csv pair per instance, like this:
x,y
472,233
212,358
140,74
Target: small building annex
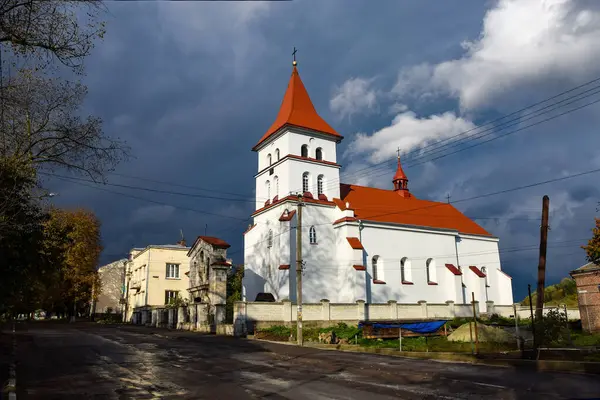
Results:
x,y
359,243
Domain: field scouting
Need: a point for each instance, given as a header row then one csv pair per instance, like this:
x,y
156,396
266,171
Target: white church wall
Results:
x,y
320,264
296,139
392,245
483,252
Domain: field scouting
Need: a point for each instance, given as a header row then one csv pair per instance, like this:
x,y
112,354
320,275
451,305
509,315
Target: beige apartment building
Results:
x,y
155,276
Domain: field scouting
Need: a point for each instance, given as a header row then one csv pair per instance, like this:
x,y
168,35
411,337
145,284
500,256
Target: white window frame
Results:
x,y
320,179
171,268
305,182
312,235
276,154
268,187
171,295
270,238
276,184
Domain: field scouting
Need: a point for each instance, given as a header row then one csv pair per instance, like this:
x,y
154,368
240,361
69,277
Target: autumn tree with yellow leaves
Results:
x,y
72,241
592,249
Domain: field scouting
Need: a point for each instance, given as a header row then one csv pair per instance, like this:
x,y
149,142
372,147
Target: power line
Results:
x,y
202,196
516,121
66,179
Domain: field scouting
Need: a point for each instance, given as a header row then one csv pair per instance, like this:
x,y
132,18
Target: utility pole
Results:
x,y
299,271
475,323
539,308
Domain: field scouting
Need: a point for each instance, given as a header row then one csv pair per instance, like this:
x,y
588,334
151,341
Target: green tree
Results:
x,y
21,218
592,249
234,291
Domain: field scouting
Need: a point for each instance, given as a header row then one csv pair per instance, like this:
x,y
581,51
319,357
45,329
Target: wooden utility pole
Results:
x,y
539,307
475,323
299,272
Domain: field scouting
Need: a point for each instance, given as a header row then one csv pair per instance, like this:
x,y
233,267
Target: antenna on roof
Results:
x,y
182,241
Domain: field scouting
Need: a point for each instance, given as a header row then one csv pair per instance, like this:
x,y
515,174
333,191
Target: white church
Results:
x,y
358,243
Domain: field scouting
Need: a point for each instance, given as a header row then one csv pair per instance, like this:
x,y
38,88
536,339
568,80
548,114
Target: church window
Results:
x,y
430,269
269,158
268,188
276,154
305,182
276,183
304,151
270,238
319,153
320,184
375,266
312,234
405,270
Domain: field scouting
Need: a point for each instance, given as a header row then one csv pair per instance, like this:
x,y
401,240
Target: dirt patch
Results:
x,y
485,333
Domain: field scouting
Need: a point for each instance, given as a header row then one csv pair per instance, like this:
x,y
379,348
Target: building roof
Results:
x,y
589,267
379,205
298,110
213,241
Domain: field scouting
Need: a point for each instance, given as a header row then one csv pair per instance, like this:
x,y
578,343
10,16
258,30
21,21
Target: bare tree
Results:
x,y
44,29
42,123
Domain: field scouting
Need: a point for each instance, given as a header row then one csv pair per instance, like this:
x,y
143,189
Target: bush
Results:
x,y
552,329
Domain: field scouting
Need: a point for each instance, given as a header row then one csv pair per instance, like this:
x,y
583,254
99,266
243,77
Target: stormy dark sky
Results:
x,y
192,86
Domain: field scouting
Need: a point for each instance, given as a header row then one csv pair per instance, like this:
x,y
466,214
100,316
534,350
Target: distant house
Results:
x,y
112,277
587,279
156,275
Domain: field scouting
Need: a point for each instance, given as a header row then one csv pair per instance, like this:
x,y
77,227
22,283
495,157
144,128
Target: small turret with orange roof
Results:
x,y
400,180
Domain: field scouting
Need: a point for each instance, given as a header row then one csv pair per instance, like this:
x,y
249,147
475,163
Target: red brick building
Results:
x,y
587,279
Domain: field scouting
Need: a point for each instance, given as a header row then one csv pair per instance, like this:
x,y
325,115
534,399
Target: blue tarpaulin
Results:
x,y
417,327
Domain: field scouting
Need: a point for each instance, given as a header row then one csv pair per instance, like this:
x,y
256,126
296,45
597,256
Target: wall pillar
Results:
x,y
360,310
451,309
180,317
239,318
423,304
286,311
490,308
171,314
325,310
144,317
154,321
393,309
219,314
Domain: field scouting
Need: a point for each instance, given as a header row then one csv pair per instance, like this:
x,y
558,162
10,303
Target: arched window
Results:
x,y
270,238
405,270
319,153
268,188
320,184
374,263
312,234
269,158
305,182
276,183
430,269
276,154
304,150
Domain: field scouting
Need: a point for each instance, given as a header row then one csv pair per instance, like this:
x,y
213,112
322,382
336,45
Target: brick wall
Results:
x,y
589,299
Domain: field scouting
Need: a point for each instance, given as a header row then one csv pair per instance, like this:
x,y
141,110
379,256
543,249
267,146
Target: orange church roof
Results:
x,y
371,204
298,110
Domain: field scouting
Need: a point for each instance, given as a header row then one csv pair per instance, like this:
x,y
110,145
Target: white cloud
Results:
x,y
522,42
356,95
408,132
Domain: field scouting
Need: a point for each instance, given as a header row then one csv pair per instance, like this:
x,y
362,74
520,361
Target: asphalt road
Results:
x,y
92,361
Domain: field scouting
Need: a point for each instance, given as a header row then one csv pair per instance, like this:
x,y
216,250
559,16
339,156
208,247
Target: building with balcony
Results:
x,y
156,275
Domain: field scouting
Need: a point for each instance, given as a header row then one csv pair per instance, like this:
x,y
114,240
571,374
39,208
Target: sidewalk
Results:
x,y
579,367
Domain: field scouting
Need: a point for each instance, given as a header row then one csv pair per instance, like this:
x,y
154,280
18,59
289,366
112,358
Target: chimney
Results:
x,y
182,242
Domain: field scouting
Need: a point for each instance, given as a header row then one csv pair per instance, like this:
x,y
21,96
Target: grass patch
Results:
x,y
581,339
436,344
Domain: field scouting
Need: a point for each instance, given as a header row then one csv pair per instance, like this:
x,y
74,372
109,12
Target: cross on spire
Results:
x,y
294,63
448,198
398,151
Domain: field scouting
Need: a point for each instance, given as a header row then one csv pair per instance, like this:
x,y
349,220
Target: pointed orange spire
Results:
x,y
298,110
401,180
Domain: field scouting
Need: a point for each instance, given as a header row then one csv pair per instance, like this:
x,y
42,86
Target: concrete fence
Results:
x,y
249,316
194,317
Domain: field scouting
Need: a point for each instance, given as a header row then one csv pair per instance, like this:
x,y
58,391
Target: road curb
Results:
x,y
577,367
11,385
